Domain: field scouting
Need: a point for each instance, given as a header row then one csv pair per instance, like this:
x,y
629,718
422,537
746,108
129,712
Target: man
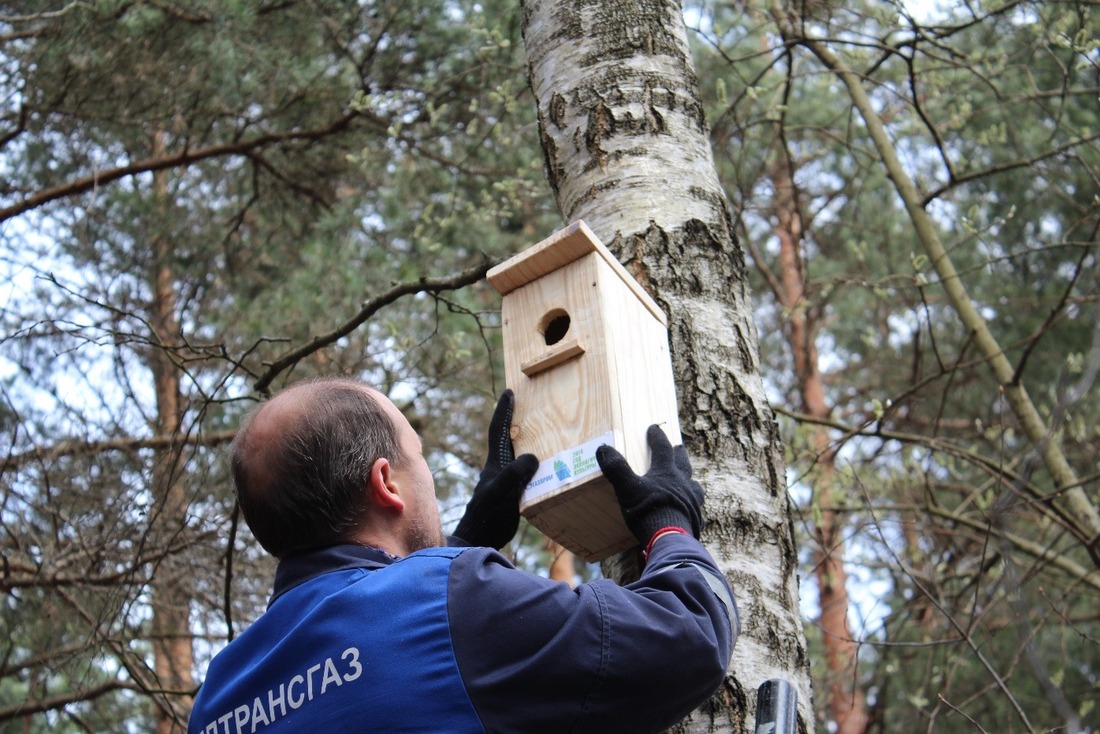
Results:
x,y
376,625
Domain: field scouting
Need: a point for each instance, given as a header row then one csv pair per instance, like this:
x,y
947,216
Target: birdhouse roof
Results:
x,y
557,251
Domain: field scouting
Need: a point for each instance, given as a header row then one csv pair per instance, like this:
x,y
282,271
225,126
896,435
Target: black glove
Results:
x,y
665,496
492,515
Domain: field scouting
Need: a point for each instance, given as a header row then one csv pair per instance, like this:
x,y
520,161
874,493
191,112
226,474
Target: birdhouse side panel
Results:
x,y
640,371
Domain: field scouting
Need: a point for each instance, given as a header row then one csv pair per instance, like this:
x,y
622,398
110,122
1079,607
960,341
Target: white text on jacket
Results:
x,y
291,695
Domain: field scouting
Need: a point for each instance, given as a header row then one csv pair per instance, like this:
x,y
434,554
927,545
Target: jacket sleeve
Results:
x,y
538,656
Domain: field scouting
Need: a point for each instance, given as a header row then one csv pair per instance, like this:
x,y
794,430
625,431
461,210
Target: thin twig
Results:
x,y
369,308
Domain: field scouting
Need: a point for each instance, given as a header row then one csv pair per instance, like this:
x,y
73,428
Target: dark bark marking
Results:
x,y
624,568
788,551
557,110
631,30
655,121
554,169
702,235
600,127
592,193
635,259
727,706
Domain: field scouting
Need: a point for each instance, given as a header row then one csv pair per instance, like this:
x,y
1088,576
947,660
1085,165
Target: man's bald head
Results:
x,y
301,461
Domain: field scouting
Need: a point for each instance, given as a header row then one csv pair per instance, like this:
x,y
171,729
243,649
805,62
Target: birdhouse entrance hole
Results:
x,y
554,326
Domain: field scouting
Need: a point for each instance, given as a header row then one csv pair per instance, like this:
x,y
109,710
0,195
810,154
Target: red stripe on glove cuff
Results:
x,y
658,534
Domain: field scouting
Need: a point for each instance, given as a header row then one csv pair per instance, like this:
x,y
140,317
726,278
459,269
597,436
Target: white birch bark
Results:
x,y
627,150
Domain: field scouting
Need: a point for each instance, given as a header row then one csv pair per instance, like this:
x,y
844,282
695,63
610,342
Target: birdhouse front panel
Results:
x,y
556,360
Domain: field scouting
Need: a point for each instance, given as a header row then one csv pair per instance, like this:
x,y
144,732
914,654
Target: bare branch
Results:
x,y
76,447
183,158
16,574
963,633
369,308
61,700
993,466
958,180
1032,422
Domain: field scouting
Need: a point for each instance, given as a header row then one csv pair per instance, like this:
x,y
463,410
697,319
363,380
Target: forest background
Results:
x,y
203,201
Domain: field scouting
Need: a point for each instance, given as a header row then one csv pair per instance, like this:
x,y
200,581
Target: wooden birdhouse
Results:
x,y
586,353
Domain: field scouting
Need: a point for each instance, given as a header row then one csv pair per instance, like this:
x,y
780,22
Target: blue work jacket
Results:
x,y
459,640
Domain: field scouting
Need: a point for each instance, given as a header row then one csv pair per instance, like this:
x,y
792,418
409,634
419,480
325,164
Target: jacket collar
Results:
x,y
296,569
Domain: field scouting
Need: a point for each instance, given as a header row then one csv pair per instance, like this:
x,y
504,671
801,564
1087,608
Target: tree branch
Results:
x,y
369,308
957,180
992,466
964,633
1046,444
76,447
20,574
61,700
184,158
1089,577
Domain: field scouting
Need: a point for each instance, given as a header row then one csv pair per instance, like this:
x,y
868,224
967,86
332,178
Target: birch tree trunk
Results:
x,y
627,150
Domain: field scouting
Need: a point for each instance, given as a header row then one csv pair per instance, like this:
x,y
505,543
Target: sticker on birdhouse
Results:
x,y
567,467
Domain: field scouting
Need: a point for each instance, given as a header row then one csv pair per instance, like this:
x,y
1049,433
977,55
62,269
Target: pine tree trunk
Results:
x,y
173,655
626,149
845,701
563,567
172,640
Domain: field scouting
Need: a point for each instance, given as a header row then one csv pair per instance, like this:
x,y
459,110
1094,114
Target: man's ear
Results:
x,y
382,487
